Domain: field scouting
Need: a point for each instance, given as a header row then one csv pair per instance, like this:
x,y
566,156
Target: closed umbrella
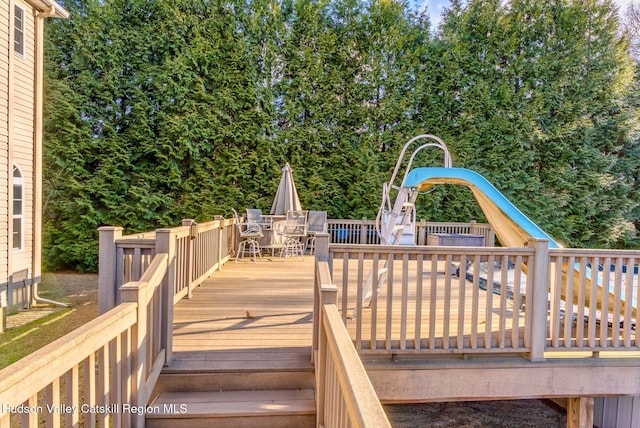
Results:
x,y
287,196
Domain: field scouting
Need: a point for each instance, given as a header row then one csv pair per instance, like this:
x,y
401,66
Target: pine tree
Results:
x,y
539,87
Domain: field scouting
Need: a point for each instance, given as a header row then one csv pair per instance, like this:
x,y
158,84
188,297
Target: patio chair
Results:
x,y
317,224
294,231
249,234
254,215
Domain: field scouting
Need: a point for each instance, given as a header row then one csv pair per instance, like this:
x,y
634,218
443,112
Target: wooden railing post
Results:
x,y
327,294
421,229
108,267
322,247
190,258
363,231
491,238
136,292
322,255
166,243
220,236
540,298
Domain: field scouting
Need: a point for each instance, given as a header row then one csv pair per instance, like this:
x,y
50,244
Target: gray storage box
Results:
x,y
455,239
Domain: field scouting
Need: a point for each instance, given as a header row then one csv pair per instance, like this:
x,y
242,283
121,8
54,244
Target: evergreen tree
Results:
x,y
159,110
539,86
160,118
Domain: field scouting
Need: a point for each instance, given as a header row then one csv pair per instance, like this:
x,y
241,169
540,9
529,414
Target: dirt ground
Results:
x,y
479,414
81,292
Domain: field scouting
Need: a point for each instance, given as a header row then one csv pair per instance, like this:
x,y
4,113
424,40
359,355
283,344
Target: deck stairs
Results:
x,y
236,388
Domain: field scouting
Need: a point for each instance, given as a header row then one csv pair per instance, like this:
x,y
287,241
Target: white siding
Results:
x,y
4,140
22,136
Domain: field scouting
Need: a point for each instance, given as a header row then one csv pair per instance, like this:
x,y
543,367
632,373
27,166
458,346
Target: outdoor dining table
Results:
x,y
272,239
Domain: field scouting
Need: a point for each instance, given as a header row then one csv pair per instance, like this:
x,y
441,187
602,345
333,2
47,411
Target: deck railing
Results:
x,y
595,319
424,300
102,373
363,231
194,252
344,394
479,300
199,250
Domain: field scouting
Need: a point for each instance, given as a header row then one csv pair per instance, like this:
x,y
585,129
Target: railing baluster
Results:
x,y
125,372
345,287
89,393
374,302
115,351
504,267
617,296
593,302
582,289
388,339
103,384
433,298
556,297
629,296
30,419
488,308
418,299
462,301
517,301
404,308
52,399
447,302
72,398
475,303
569,307
359,296
604,305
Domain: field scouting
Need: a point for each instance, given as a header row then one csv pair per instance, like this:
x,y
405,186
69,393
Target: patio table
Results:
x,y
272,239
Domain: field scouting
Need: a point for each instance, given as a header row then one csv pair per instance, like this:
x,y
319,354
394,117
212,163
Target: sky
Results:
x,y
435,8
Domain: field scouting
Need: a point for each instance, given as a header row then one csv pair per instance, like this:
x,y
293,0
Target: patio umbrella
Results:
x,y
287,196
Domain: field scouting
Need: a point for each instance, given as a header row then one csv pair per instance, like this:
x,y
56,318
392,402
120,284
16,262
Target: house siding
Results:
x,y
22,136
616,412
5,49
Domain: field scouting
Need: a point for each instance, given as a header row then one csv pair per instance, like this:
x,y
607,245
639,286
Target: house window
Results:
x,y
18,211
18,31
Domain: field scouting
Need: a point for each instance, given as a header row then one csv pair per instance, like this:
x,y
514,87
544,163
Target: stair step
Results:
x,y
238,370
265,408
283,359
178,382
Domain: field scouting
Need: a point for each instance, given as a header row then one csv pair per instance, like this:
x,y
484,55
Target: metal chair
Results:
x,y
249,234
254,215
293,231
317,224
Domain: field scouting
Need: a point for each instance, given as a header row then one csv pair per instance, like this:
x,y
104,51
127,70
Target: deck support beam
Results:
x,y
404,381
580,412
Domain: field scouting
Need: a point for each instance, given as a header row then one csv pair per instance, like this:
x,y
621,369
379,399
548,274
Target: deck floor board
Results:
x,y
266,305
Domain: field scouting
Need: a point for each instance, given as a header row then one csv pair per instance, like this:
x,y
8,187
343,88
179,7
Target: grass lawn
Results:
x,y
80,291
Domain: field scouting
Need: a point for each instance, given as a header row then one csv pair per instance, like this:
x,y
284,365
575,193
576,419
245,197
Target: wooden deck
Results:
x,y
242,348
267,306
246,305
